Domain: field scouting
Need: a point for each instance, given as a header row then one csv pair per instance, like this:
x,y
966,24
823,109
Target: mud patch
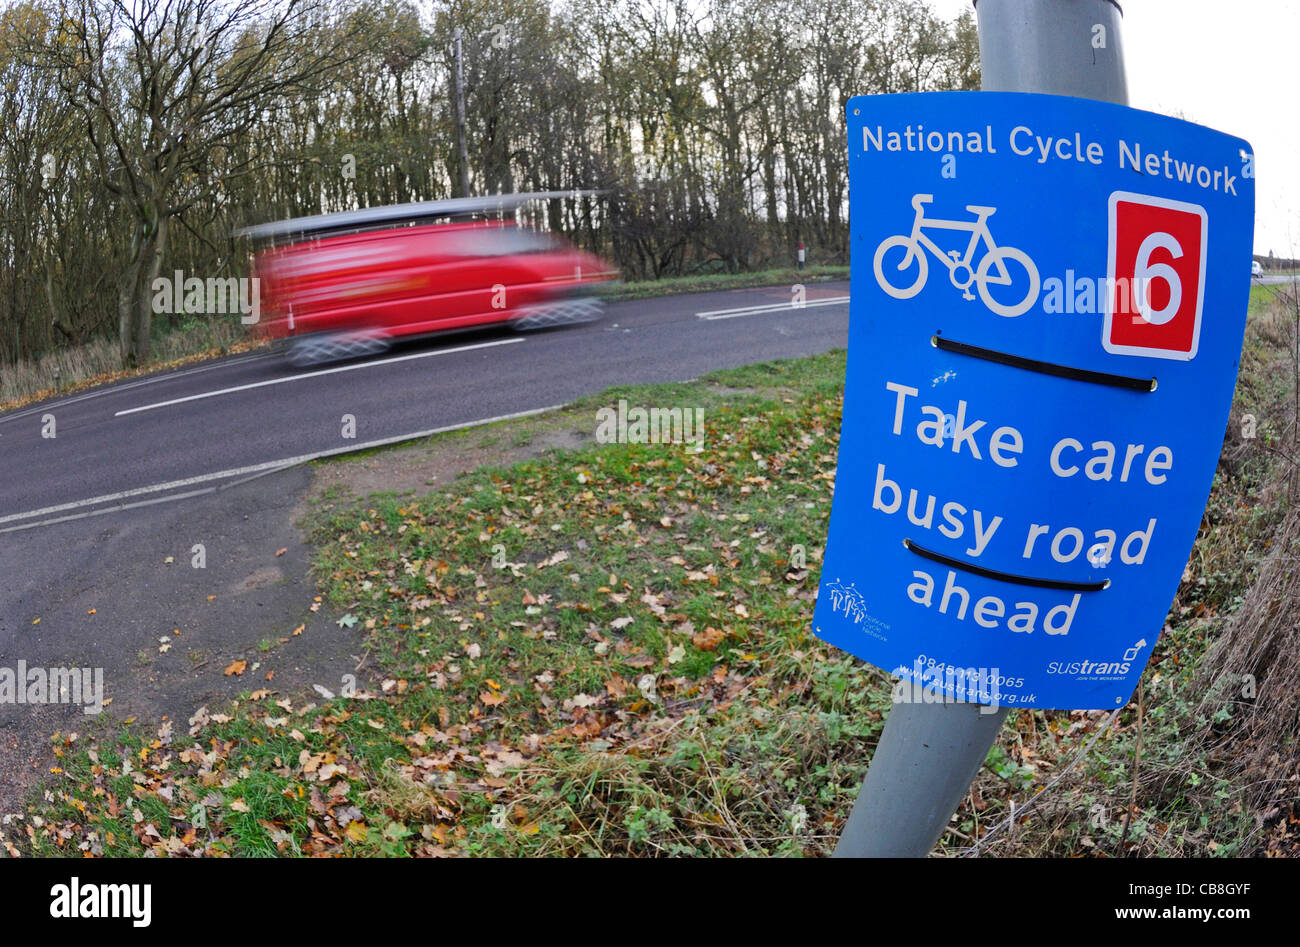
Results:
x,y
267,575
428,466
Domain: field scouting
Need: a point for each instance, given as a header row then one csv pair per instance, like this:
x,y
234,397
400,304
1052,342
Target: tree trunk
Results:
x,y
135,299
126,302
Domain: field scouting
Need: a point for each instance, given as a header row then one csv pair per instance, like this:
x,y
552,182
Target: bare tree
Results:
x,y
162,87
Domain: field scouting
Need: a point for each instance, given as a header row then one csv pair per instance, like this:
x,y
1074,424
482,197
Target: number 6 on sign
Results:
x,y
1155,278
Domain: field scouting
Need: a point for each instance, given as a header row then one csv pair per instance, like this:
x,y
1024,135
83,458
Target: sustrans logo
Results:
x,y
1099,668
1086,668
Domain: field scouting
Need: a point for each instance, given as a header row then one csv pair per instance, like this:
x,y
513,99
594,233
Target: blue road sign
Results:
x,y
1049,298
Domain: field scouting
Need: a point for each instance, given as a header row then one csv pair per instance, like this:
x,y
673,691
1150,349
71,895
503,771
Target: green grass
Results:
x,y
97,362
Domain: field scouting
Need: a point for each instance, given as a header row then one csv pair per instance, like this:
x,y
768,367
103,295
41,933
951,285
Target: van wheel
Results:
x,y
566,312
334,347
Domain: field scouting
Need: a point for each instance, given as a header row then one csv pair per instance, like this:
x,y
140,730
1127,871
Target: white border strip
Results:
x,y
316,374
253,469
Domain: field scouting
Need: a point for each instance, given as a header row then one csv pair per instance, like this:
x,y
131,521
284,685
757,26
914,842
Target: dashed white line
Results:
x,y
249,471
316,374
770,307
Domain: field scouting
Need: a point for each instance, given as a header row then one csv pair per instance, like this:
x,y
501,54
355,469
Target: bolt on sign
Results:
x,y
1049,298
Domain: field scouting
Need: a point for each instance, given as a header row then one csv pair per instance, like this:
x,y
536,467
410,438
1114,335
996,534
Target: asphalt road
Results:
x,y
178,433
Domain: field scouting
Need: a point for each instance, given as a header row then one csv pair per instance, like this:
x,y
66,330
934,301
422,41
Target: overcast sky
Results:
x,y
1233,67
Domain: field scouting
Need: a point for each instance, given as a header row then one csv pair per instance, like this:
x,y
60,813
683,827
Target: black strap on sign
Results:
x,y
1045,368
1004,576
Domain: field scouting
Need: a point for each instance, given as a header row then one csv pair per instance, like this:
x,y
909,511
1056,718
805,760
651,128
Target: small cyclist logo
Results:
x,y
992,270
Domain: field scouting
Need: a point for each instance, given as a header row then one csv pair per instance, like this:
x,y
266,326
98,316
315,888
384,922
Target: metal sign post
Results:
x,y
929,753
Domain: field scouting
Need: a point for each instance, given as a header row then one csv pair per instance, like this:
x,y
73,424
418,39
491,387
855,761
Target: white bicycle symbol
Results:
x,y
991,270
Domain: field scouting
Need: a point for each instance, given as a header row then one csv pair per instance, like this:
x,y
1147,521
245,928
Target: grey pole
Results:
x,y
929,754
1061,47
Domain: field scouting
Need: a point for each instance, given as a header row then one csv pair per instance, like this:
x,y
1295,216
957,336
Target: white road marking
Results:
x,y
252,469
315,374
108,509
127,386
771,307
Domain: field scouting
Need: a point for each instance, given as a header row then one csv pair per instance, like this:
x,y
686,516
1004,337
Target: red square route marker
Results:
x,y
1156,277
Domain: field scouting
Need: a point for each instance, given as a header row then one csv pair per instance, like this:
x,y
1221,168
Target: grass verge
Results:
x,y
77,368
706,282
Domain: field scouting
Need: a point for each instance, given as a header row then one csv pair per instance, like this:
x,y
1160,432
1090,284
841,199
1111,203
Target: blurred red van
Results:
x,y
343,285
